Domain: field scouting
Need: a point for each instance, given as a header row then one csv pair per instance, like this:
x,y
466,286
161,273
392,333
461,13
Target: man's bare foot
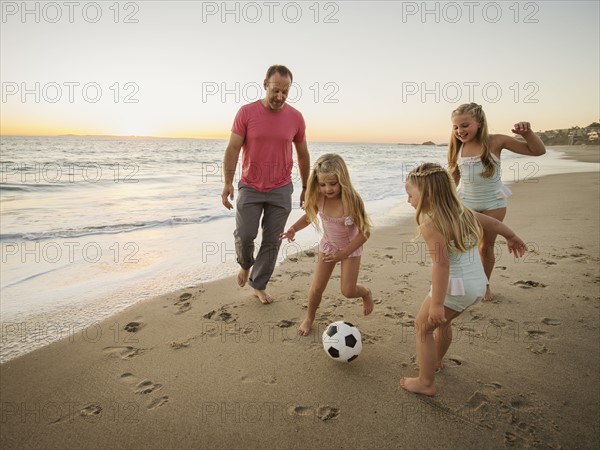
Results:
x,y
305,327
368,304
242,277
415,385
264,298
488,297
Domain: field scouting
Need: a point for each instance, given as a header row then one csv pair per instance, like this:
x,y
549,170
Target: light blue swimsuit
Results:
x,y
467,282
478,193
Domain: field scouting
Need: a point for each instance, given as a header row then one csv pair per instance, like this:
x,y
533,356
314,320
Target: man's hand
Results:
x,y
227,195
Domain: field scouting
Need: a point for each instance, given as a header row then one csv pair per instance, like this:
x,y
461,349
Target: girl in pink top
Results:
x,y
346,227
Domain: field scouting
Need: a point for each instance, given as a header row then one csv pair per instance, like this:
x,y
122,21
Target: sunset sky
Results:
x,y
363,71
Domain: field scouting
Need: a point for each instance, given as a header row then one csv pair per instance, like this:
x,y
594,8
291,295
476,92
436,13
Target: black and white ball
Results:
x,y
342,342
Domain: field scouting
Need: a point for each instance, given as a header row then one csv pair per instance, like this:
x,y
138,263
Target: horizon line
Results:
x,y
132,136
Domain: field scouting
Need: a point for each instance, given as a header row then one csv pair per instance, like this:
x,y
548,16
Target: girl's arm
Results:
x,y
533,145
290,234
514,243
354,244
440,271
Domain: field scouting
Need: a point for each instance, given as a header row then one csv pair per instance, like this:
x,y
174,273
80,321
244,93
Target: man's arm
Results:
x,y
304,166
230,160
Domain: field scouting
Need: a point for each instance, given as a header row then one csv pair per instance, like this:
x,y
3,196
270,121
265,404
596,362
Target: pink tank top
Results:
x,y
338,232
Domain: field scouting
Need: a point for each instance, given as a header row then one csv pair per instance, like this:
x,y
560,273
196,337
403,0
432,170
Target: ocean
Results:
x,y
92,225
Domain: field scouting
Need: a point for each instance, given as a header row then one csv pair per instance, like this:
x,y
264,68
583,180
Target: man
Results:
x,y
265,129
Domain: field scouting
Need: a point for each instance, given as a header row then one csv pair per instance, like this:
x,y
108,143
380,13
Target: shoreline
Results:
x,y
581,153
233,373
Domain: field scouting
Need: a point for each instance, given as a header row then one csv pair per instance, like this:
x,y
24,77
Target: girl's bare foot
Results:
x,y
488,297
368,304
242,277
305,327
264,298
415,385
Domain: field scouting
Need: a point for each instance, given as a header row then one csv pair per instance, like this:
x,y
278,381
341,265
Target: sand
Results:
x,y
210,367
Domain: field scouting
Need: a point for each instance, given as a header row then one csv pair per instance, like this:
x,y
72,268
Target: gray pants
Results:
x,y
275,207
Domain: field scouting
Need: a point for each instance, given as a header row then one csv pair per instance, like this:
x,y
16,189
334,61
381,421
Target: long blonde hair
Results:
x,y
331,163
476,112
440,203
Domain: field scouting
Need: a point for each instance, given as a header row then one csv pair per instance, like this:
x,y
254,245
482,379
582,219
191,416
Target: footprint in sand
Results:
x,y
528,284
399,316
92,409
89,412
535,334
158,402
368,338
141,387
497,323
123,352
538,348
220,314
146,387
298,273
183,305
548,262
476,315
133,327
176,345
250,379
477,399
327,412
552,322
324,413
512,440
300,411
452,362
470,331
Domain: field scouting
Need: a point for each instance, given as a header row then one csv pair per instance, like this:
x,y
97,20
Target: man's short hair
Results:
x,y
281,70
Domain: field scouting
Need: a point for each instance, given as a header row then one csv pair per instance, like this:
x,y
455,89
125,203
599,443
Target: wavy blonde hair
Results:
x,y
440,204
476,112
331,163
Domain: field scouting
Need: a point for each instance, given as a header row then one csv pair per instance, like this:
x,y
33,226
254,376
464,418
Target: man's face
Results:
x,y
277,88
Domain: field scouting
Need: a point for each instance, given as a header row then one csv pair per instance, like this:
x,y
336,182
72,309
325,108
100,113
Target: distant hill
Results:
x,y
571,136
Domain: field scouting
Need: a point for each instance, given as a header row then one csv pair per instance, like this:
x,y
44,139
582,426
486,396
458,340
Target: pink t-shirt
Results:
x,y
267,150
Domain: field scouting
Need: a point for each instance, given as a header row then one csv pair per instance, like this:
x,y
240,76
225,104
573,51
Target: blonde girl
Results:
x,y
331,197
451,232
474,162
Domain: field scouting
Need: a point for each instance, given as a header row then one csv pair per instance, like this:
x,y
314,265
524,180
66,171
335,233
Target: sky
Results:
x,y
389,72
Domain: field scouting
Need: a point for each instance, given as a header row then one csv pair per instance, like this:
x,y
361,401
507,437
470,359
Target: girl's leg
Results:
x,y
349,286
321,277
427,351
426,354
486,249
443,336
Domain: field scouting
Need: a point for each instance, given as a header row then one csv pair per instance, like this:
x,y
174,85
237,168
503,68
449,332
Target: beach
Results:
x,y
209,366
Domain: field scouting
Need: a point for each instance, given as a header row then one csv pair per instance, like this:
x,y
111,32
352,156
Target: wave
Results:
x,y
109,229
5,187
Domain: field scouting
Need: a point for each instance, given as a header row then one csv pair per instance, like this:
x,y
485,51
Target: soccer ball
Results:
x,y
342,342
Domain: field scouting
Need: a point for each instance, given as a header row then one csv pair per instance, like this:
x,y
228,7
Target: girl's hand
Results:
x,y
335,257
521,128
436,315
516,246
289,235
